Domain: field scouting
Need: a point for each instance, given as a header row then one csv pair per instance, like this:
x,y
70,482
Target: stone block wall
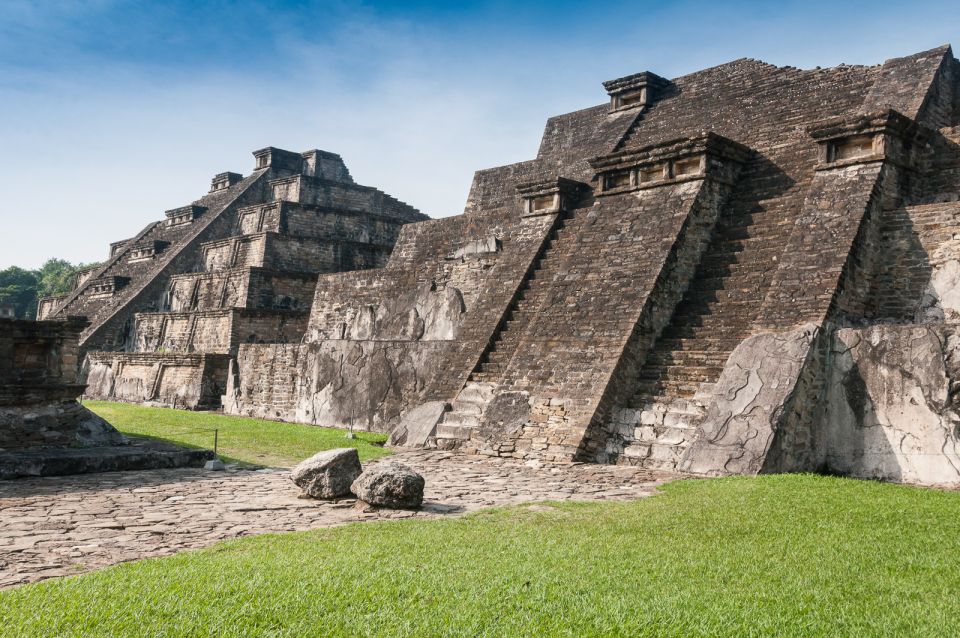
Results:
x,y
188,381
362,384
217,330
251,281
39,388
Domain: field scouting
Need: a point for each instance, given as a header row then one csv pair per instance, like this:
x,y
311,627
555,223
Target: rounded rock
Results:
x,y
390,484
328,474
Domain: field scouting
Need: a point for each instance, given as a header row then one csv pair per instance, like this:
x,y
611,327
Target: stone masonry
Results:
x,y
703,274
43,428
171,306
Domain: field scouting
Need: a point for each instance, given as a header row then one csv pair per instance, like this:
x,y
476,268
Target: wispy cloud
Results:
x,y
113,111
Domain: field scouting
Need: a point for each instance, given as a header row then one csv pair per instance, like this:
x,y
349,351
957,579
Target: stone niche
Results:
x,y
634,91
549,197
184,215
147,250
667,163
887,135
223,181
107,286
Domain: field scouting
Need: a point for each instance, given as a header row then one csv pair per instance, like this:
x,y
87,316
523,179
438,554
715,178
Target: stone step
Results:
x,y
466,408
680,372
498,356
700,332
652,456
451,431
660,390
461,420
714,320
707,283
666,435
491,368
654,412
687,357
703,344
741,255
476,393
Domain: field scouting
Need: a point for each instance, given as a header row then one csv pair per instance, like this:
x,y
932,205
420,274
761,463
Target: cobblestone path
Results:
x,y
56,526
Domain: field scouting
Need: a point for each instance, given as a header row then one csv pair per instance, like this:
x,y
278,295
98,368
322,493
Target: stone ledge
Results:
x,y
140,454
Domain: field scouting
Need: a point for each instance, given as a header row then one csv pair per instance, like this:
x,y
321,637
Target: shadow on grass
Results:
x,y
240,463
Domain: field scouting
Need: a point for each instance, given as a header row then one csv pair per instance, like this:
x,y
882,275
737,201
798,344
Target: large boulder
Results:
x,y
390,484
328,474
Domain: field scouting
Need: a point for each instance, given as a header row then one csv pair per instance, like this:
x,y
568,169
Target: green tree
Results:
x,y
18,287
56,277
23,288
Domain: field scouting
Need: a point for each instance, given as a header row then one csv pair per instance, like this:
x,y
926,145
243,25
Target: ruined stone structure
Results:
x,y
43,429
747,269
172,305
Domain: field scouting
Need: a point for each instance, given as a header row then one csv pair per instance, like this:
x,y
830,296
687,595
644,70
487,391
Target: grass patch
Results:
x,y
772,556
242,440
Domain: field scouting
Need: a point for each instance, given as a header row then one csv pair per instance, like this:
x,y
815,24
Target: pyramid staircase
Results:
x,y
467,409
713,317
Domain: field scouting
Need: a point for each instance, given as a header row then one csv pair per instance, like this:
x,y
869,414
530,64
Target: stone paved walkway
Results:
x,y
57,526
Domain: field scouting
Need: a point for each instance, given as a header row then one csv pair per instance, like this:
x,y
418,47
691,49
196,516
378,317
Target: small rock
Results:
x,y
215,465
390,484
328,474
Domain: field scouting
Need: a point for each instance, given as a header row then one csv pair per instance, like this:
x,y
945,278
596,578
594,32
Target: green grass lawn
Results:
x,y
251,441
772,556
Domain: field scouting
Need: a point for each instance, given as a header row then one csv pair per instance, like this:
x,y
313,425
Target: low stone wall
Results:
x,y
190,381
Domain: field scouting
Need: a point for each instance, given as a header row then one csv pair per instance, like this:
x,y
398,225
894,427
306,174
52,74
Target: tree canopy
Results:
x,y
22,288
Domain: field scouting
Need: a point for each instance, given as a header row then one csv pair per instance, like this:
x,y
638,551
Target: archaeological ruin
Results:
x,y
747,269
44,429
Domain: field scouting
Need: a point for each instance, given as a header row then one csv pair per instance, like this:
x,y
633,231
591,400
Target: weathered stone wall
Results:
x,y
361,384
603,304
217,330
920,276
890,409
189,381
331,224
641,286
752,403
39,388
251,280
618,253
216,218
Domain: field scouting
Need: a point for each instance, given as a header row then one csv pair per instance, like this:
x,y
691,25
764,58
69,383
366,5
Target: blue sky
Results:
x,y
113,111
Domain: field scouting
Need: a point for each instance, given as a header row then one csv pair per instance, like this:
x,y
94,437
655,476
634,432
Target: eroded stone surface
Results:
x,y
755,386
390,484
891,413
327,474
62,526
